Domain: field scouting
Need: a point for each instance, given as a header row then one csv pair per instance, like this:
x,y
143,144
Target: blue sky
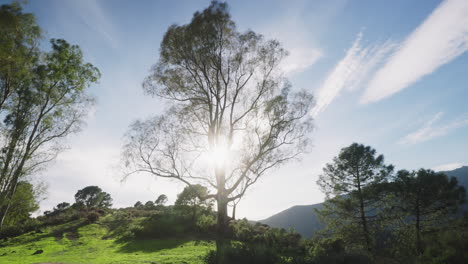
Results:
x,y
390,74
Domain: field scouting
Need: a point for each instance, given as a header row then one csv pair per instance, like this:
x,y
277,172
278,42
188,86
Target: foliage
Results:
x,y
353,213
424,200
62,206
23,203
44,99
93,197
161,200
206,223
449,245
193,200
92,216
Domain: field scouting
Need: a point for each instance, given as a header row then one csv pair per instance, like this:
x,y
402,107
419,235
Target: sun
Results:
x,y
219,156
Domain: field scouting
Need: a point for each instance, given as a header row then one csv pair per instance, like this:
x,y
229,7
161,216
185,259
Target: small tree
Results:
x,y
149,205
193,198
24,202
427,198
138,205
161,200
62,206
93,197
350,178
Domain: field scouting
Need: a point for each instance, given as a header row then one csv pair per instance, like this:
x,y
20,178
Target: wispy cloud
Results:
x,y
439,39
296,37
448,166
94,17
352,71
432,129
299,59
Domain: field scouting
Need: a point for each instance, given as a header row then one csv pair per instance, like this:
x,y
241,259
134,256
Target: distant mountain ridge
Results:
x,y
302,218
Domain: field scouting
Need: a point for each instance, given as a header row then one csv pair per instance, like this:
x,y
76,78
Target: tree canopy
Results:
x,y
93,197
44,98
351,178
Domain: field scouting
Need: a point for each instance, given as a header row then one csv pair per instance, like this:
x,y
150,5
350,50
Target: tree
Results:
x,y
138,205
161,200
193,197
24,202
19,37
350,178
93,197
428,198
45,100
232,115
149,205
62,206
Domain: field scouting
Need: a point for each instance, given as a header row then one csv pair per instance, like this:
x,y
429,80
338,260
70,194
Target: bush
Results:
x,y
206,223
92,216
246,254
29,225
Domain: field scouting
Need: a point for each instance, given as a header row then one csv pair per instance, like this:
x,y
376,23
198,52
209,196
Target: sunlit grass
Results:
x,y
85,244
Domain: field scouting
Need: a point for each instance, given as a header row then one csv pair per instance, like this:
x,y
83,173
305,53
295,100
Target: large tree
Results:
x,y
46,101
93,197
231,115
353,202
425,199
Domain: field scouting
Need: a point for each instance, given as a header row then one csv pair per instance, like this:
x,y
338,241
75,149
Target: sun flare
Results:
x,y
219,156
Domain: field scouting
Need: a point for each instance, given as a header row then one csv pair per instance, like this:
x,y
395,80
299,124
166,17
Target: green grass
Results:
x,y
76,242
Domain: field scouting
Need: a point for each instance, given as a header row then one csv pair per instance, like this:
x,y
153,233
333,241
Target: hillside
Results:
x,y
79,242
303,219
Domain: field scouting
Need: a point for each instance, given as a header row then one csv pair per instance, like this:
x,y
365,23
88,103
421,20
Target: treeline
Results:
x,y
386,214
372,214
43,99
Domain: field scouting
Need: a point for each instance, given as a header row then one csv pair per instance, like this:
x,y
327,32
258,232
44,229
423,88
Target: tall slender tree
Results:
x,y
352,205
44,99
426,199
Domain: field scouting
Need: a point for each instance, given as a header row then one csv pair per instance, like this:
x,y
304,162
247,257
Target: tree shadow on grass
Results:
x,y
153,245
71,229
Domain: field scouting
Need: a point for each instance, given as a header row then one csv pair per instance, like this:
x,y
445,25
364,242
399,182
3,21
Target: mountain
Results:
x,y
302,218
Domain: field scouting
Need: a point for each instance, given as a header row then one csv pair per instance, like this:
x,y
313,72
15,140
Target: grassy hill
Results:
x,y
302,218
80,242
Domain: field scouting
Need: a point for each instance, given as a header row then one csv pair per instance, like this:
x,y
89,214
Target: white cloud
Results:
x,y
448,166
299,59
431,130
439,39
351,72
92,14
295,36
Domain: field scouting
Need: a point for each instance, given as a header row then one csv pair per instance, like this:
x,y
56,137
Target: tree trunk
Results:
x,y
234,211
221,241
7,198
365,229
419,249
222,215
222,224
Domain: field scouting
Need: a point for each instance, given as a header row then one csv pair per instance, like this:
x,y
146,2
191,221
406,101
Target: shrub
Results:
x,y
246,254
92,216
29,225
206,223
